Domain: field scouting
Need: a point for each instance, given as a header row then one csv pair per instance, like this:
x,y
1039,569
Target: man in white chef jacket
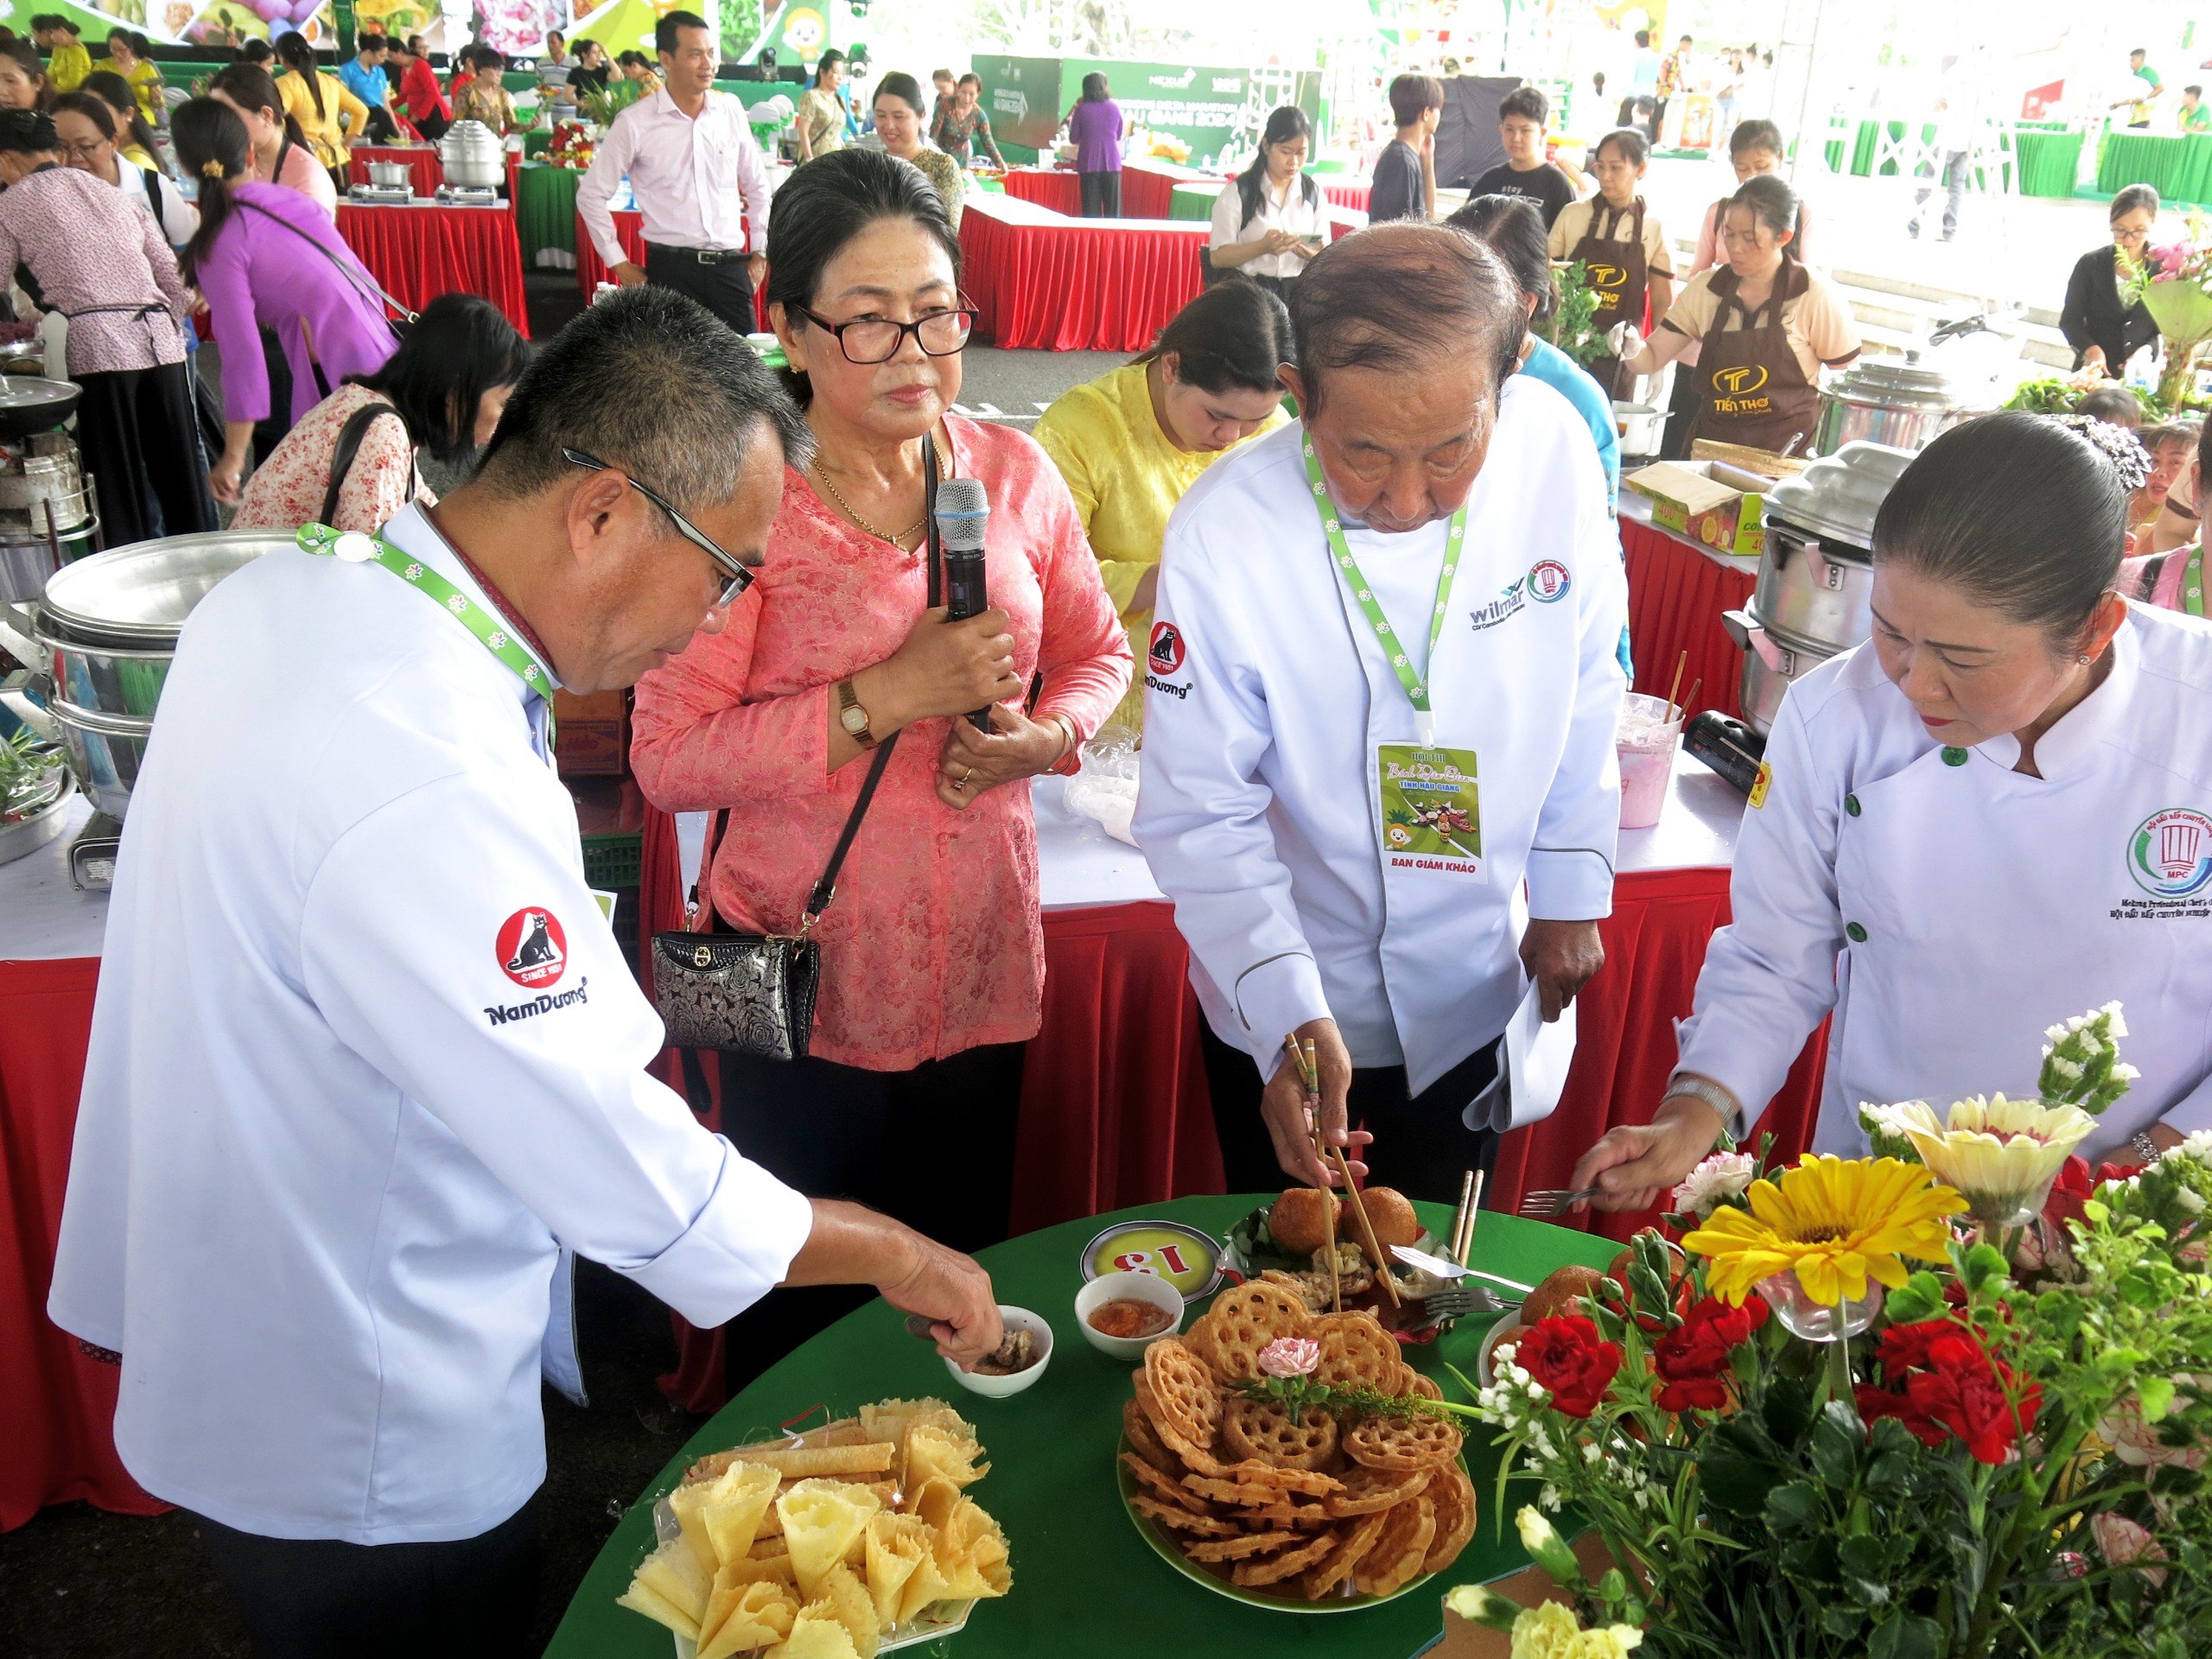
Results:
x,y
366,1055
1345,814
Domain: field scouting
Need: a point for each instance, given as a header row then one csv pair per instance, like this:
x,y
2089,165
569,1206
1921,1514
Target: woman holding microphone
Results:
x,y
1995,816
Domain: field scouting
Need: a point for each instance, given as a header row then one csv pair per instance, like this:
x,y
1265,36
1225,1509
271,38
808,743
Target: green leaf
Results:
x,y
1787,1412
1906,1636
1794,1508
1920,1297
2156,1395
1835,1445
1736,1486
1864,1557
1984,1264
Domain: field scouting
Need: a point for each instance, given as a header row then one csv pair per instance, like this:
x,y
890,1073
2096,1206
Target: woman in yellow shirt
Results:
x,y
327,112
126,55
1130,443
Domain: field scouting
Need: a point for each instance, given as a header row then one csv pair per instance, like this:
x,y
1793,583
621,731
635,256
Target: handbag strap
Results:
x,y
825,889
365,284
349,445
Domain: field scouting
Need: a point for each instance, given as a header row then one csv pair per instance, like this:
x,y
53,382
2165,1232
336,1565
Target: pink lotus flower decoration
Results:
x,y
1290,1356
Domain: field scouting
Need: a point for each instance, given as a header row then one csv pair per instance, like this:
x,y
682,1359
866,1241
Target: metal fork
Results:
x,y
1550,1202
1464,1299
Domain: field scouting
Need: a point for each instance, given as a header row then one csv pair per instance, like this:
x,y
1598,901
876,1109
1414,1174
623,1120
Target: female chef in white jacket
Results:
x,y
1996,815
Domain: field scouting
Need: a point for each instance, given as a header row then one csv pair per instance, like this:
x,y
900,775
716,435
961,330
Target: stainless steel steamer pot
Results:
x,y
1772,661
105,751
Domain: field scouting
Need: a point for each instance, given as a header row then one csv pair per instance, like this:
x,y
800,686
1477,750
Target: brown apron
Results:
x,y
1750,388
1617,277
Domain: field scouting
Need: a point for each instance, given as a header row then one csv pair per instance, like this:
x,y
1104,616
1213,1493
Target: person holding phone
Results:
x,y
1270,220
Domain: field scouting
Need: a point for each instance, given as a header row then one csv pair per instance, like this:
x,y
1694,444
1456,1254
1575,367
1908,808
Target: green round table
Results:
x,y
2048,161
1085,1586
545,212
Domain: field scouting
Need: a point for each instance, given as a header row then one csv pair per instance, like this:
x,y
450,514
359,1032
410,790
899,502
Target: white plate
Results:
x,y
1508,1324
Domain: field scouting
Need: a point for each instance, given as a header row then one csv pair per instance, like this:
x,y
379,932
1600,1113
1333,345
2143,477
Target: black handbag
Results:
x,y
754,992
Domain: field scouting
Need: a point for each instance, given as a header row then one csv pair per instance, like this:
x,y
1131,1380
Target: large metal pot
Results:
x,y
29,404
1771,661
473,156
1901,404
390,175
105,751
104,680
1818,591
137,598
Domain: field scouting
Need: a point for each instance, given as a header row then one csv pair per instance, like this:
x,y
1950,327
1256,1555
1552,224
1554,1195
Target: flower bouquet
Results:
x,y
571,146
2174,283
1843,1424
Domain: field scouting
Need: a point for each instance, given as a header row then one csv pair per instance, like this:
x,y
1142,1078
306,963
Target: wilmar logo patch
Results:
x,y
1165,654
531,950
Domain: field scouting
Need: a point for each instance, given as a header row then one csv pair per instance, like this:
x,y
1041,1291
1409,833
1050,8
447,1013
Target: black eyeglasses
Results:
x,y
875,340
740,578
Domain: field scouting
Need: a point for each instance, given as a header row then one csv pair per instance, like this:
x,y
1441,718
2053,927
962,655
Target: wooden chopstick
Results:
x,y
1328,1199
1310,1065
1682,664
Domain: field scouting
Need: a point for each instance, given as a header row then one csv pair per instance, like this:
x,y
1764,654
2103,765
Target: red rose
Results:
x,y
2068,1193
1691,1359
1564,1355
1905,1347
1875,1402
1966,1388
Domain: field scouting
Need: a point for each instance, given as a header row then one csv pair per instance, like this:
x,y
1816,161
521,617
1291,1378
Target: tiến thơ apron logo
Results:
x,y
1548,581
1165,652
1740,381
1605,276
531,950
2170,855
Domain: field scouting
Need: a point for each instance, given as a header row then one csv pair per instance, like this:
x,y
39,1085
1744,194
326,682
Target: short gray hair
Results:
x,y
1393,297
651,382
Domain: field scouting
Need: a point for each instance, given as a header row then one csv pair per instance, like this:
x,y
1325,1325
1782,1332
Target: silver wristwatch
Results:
x,y
1710,1093
2145,1149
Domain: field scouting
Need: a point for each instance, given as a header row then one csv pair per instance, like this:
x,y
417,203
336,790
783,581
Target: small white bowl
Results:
x,y
1147,1288
998,1387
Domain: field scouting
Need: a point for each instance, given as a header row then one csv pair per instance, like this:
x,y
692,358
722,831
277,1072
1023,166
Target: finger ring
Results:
x,y
966,773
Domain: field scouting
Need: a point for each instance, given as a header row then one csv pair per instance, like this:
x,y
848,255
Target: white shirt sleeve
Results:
x,y
1770,978
1227,214
397,941
751,182
596,189
1202,815
1570,869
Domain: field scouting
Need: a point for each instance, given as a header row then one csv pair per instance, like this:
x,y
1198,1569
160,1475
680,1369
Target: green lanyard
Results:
x,y
354,548
2192,581
1416,687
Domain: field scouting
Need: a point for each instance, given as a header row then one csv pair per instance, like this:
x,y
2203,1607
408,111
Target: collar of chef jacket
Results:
x,y
2073,743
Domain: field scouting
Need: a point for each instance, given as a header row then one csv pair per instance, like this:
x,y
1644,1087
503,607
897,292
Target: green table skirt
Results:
x,y
1193,201
545,212
2048,161
2178,165
1085,1586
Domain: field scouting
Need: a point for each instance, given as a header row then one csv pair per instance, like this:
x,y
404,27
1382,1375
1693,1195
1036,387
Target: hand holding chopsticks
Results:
x,y
1303,1106
1304,1052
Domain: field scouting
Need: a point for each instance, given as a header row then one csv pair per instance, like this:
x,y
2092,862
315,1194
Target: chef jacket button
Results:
x,y
1954,757
1851,804
1855,933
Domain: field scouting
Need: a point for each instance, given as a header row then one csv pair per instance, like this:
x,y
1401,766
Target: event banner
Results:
x,y
1026,96
173,22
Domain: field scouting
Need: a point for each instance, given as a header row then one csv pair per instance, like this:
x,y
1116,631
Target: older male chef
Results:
x,y
364,1048
1381,693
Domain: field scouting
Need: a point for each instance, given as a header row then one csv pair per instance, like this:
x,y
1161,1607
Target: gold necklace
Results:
x,y
846,508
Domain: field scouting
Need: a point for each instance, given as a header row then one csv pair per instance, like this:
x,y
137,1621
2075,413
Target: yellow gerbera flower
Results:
x,y
1834,1222
2002,1153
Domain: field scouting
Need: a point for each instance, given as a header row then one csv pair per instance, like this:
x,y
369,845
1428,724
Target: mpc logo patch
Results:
x,y
1548,582
1740,381
2169,854
531,950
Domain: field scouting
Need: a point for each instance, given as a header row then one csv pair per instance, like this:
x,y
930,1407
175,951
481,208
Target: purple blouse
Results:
x,y
261,274
1097,131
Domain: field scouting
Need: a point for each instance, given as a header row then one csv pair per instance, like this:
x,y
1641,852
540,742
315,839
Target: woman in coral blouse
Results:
x,y
932,955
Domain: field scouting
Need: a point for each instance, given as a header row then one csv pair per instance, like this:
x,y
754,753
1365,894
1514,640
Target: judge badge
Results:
x,y
1431,808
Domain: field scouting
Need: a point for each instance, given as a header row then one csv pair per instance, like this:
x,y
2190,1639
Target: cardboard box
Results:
x,y
591,734
1688,501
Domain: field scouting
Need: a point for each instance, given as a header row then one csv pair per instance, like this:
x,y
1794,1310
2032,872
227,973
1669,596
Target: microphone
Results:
x,y
964,512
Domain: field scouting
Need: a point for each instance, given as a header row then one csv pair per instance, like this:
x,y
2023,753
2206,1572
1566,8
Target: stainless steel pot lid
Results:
x,y
29,391
1839,495
140,595
1907,382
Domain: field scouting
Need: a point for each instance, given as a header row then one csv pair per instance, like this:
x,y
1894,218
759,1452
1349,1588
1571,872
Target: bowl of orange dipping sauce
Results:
x,y
1121,1313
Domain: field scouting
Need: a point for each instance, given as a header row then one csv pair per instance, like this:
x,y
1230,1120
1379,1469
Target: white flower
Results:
x,y
2066,1068
1549,1498
2190,1199
1592,1452
1721,1178
2124,1072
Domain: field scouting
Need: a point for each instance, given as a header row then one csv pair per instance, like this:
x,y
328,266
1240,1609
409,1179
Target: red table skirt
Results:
x,y
630,231
56,1406
418,253
430,172
1146,193
1096,285
1675,596
1347,192
1058,188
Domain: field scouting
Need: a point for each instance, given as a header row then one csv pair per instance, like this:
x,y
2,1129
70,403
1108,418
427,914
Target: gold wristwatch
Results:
x,y
852,716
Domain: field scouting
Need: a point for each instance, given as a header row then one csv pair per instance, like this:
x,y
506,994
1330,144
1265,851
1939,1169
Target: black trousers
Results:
x,y
140,430
319,1599
933,1147
724,288
431,125
1102,194
1420,1147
